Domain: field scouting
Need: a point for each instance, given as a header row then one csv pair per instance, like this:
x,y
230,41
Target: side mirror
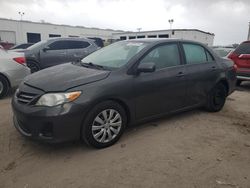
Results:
x,y
45,49
146,67
244,56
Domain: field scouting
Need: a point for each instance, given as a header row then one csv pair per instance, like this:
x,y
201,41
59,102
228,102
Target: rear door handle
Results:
x,y
180,74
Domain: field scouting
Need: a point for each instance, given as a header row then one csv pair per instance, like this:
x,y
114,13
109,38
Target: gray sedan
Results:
x,y
13,69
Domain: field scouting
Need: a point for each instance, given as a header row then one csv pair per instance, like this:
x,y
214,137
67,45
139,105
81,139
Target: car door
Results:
x,y
165,89
201,73
77,50
53,54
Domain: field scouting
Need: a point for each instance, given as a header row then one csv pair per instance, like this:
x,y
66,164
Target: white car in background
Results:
x,y
13,70
223,51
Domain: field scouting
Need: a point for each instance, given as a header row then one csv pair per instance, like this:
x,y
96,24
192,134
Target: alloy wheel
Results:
x,y
106,125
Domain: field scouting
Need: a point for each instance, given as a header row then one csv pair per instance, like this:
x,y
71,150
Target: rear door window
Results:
x,y
59,45
77,44
196,54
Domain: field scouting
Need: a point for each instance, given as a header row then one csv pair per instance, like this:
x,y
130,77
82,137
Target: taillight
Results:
x,y
20,60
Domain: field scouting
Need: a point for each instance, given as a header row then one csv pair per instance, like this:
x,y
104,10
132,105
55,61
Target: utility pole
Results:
x,y
21,27
248,38
138,31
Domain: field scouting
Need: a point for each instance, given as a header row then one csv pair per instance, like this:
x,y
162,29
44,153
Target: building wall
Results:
x,y
14,31
189,34
20,29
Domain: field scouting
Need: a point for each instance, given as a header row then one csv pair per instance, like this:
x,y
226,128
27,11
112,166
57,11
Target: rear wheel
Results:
x,y
34,67
217,98
104,124
4,86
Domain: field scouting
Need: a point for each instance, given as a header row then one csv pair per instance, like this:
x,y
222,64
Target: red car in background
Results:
x,y
241,57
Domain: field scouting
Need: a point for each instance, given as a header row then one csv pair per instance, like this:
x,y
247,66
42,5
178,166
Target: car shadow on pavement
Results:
x,y
131,131
136,130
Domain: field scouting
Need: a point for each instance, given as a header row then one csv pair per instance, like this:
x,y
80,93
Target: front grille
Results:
x,y
26,98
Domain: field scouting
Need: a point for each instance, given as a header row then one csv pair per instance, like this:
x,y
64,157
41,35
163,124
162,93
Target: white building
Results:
x,y
190,34
14,31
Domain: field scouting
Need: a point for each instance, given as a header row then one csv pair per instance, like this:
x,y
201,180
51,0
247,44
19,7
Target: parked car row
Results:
x,y
93,93
41,55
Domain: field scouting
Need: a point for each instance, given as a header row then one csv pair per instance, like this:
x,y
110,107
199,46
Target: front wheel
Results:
x,y
104,124
216,98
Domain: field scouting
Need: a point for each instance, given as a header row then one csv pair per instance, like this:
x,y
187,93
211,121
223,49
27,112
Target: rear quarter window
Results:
x,y
196,54
243,48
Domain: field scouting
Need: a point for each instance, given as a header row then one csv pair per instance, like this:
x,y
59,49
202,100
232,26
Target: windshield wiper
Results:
x,y
90,64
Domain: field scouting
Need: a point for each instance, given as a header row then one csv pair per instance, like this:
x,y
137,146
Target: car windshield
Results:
x,y
115,55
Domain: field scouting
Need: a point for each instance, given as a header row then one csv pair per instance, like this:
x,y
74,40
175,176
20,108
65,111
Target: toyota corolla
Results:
x,y
122,84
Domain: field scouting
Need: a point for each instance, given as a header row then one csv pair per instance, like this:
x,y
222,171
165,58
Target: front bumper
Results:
x,y
49,124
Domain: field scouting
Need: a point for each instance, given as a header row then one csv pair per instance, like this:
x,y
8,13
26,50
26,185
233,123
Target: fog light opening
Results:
x,y
47,131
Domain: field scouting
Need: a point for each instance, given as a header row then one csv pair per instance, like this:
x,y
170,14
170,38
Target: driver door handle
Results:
x,y
180,74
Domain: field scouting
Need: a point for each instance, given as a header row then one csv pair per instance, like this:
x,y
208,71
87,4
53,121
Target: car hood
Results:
x,y
63,77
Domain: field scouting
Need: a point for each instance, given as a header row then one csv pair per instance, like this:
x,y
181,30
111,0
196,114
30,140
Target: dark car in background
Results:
x,y
241,58
56,51
122,84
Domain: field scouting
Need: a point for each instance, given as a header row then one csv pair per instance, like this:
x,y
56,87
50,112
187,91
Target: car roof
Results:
x,y
69,38
162,40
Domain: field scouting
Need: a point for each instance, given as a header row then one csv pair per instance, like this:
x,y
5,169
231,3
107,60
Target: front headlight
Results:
x,y
53,99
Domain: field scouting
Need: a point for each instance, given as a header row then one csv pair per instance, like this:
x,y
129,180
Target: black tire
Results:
x,y
87,134
34,67
217,98
4,86
238,82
